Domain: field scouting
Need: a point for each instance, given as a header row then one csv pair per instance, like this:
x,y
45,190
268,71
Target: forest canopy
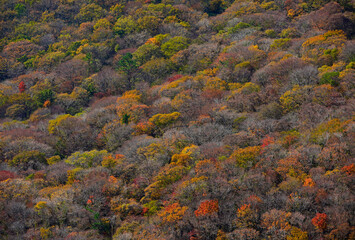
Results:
x,y
171,119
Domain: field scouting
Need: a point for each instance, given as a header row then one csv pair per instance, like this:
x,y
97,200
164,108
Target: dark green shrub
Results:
x,y
331,78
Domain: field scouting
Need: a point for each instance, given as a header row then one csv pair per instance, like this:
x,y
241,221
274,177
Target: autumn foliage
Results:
x,y
200,120
22,86
207,208
173,213
320,221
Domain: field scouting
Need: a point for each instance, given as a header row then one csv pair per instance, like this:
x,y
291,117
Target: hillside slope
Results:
x,y
177,119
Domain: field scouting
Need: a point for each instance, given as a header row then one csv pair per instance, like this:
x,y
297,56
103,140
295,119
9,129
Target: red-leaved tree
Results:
x,y
320,221
22,86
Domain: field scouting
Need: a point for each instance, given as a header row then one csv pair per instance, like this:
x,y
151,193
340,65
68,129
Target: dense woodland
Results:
x,y
177,119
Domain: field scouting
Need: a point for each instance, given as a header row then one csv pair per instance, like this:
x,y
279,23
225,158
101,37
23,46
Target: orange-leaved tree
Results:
x,y
207,208
320,221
